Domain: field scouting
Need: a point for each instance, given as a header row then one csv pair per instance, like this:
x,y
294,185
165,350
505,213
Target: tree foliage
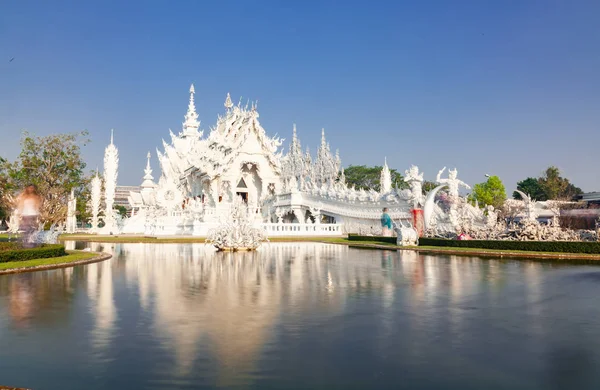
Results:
x,y
5,189
550,186
490,192
122,210
54,165
364,177
530,186
429,186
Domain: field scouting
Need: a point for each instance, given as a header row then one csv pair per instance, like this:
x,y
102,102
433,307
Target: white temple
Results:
x,y
204,178
289,194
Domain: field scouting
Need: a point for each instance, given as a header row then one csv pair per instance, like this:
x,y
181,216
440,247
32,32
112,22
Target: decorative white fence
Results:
x,y
302,229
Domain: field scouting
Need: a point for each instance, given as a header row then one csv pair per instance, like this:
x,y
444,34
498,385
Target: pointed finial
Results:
x,y
228,103
294,130
112,134
192,89
148,173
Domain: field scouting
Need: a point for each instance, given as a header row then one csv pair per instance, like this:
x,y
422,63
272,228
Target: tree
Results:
x,y
530,186
556,187
122,210
550,186
364,177
429,186
54,165
5,189
490,192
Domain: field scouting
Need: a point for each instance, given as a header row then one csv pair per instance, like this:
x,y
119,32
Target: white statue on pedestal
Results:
x,y
415,181
491,218
406,235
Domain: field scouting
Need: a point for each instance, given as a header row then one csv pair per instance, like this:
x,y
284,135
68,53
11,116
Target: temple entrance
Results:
x,y
242,190
244,196
249,186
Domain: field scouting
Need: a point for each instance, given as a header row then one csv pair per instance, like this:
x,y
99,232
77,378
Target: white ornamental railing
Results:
x,y
302,229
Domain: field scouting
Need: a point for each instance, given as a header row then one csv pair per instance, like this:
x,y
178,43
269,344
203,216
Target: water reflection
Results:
x,y
176,315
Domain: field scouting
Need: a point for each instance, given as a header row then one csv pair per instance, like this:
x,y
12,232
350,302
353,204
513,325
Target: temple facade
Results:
x,y
289,193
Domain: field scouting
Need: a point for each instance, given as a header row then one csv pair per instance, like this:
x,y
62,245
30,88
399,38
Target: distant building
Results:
x,y
589,197
121,195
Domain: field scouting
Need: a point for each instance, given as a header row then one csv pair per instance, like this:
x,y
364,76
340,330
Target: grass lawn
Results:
x,y
71,257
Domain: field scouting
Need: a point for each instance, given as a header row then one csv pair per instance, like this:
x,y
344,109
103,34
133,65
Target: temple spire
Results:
x,y
386,178
148,178
191,124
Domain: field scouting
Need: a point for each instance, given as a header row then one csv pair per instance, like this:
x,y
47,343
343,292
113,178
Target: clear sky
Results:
x,y
505,87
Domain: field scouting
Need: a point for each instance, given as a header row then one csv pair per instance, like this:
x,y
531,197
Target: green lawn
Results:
x,y
71,257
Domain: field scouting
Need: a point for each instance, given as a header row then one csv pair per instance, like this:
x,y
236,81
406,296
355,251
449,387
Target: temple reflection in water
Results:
x,y
226,311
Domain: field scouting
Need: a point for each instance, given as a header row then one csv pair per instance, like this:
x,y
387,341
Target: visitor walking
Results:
x,y
28,208
386,223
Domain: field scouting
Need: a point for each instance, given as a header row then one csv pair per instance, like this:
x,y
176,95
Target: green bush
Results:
x,y
41,252
533,246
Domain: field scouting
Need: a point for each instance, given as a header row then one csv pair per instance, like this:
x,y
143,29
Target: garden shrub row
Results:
x,y
533,246
356,237
41,252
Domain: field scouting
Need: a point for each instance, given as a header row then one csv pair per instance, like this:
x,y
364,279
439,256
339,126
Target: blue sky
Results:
x,y
505,88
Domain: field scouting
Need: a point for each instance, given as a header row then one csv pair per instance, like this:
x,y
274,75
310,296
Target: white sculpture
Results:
x,y
237,232
71,213
491,218
531,212
42,236
452,182
406,235
13,223
415,181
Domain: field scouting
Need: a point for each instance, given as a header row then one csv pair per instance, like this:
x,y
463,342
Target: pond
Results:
x,y
300,315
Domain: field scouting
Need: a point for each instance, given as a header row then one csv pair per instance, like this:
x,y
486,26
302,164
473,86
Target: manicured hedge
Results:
x,y
356,237
41,252
533,246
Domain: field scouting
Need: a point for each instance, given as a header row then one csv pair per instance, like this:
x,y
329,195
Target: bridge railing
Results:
x,y
302,229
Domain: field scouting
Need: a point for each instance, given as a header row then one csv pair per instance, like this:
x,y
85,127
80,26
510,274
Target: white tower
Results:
x,y
386,179
71,213
111,166
96,198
